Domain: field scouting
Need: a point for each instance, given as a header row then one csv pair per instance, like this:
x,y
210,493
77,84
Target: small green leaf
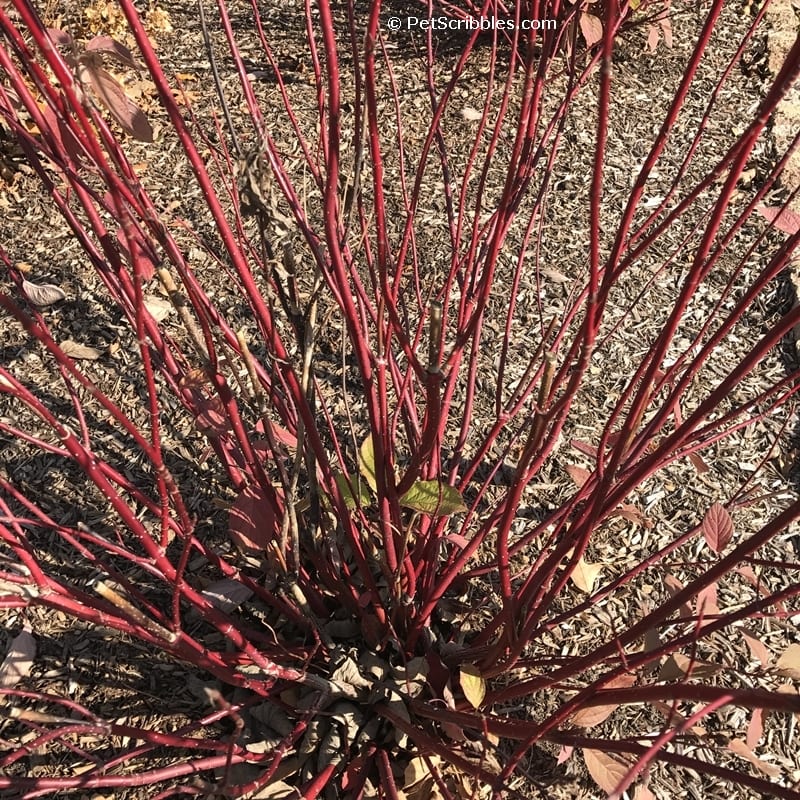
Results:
x,y
433,497
354,494
366,463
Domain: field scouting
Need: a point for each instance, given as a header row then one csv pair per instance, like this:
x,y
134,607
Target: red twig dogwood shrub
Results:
x,y
437,550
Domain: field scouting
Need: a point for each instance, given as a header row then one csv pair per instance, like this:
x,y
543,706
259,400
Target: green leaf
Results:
x,y
433,497
354,494
366,463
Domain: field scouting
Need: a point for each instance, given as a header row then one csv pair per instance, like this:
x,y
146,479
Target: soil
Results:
x,y
114,676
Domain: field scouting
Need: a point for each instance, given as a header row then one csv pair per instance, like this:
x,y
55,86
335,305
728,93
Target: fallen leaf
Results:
x,y
741,749
565,753
706,604
755,728
226,594
471,114
82,351
44,294
789,662
19,659
158,307
758,649
782,217
673,586
584,575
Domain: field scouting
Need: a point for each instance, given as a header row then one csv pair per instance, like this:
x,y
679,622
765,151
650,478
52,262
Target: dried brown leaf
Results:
x,y
789,662
584,575
43,294
158,307
470,114
81,351
19,659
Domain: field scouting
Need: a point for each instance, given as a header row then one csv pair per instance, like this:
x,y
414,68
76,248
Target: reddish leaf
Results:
x,y
741,749
607,769
593,715
60,38
252,522
755,729
591,28
67,141
565,753
283,436
209,411
578,474
583,447
652,38
706,604
758,649
631,513
145,263
666,29
782,217
111,47
698,463
674,586
681,667
717,528
124,111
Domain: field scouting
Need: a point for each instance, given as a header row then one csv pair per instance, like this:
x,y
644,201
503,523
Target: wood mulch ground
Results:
x,y
120,678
